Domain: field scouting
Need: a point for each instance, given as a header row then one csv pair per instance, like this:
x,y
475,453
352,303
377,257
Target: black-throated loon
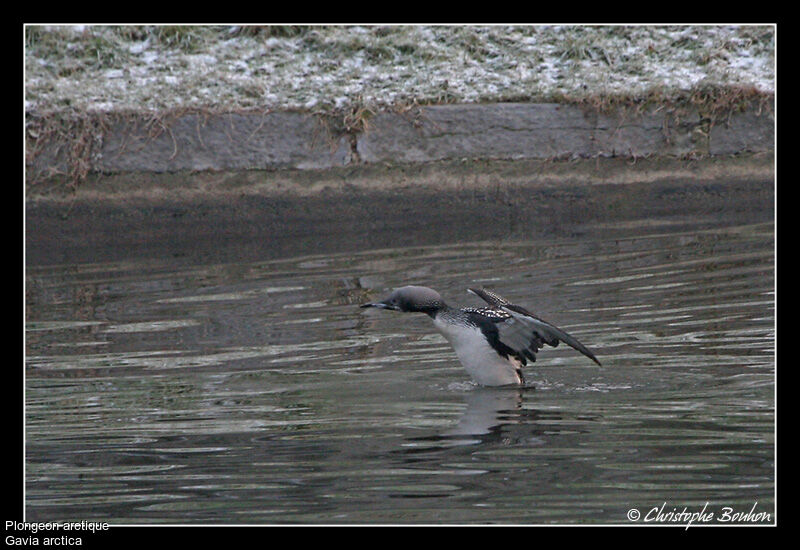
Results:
x,y
493,343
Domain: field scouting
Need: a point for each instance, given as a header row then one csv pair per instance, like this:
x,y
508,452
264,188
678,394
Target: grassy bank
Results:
x,y
82,79
329,68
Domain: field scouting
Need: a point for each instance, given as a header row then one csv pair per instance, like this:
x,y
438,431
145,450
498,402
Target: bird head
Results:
x,y
410,298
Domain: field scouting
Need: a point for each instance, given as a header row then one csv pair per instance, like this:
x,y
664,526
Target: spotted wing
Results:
x,y
499,328
489,297
523,333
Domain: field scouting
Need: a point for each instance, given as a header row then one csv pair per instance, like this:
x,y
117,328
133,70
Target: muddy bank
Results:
x,y
216,217
329,139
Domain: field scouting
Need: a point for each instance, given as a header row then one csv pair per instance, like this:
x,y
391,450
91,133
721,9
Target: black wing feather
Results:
x,y
522,332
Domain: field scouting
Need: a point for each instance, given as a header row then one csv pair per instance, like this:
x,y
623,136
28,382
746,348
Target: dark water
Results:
x,y
260,393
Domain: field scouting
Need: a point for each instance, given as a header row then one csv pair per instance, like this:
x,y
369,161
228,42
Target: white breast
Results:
x,y
483,363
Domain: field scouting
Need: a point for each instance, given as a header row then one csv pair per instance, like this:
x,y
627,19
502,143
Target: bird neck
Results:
x,y
441,309
434,310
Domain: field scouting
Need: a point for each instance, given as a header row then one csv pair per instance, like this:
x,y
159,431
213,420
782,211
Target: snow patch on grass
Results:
x,y
323,68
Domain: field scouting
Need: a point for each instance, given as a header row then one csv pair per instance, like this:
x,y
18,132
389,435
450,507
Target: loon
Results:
x,y
493,342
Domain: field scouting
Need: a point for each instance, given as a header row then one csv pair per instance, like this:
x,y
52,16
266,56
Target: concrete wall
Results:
x,y
280,140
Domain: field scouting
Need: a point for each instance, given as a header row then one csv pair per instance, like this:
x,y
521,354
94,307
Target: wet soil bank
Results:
x,y
209,217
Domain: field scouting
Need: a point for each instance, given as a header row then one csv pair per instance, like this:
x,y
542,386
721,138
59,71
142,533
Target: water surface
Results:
x,y
259,392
